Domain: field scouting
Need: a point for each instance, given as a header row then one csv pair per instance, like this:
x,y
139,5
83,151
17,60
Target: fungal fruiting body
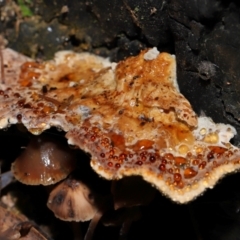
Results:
x,y
129,116
50,93
45,161
72,200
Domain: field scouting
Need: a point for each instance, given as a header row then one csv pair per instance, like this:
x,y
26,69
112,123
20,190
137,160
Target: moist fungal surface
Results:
x,y
129,116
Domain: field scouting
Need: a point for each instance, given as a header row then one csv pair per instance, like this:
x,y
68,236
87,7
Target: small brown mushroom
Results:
x,y
44,161
72,200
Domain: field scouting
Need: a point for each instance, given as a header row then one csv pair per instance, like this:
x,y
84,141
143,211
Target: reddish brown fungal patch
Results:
x,y
123,156
139,163
210,156
162,167
180,161
202,165
164,161
117,165
143,144
195,162
110,164
217,150
143,158
168,156
177,177
19,117
189,173
152,159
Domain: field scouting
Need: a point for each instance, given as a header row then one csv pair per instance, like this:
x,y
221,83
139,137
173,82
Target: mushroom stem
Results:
x,y
125,230
5,179
92,225
77,230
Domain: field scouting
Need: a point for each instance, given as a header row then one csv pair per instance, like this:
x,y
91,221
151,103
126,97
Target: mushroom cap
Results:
x,y
45,161
72,200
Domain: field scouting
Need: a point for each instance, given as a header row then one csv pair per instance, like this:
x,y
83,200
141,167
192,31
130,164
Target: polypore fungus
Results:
x,y
53,93
44,161
130,117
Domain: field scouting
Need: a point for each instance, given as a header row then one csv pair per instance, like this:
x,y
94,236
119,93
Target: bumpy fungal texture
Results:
x,y
47,94
131,119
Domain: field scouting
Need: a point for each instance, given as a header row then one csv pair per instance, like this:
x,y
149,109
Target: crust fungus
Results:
x,y
44,161
130,117
53,93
